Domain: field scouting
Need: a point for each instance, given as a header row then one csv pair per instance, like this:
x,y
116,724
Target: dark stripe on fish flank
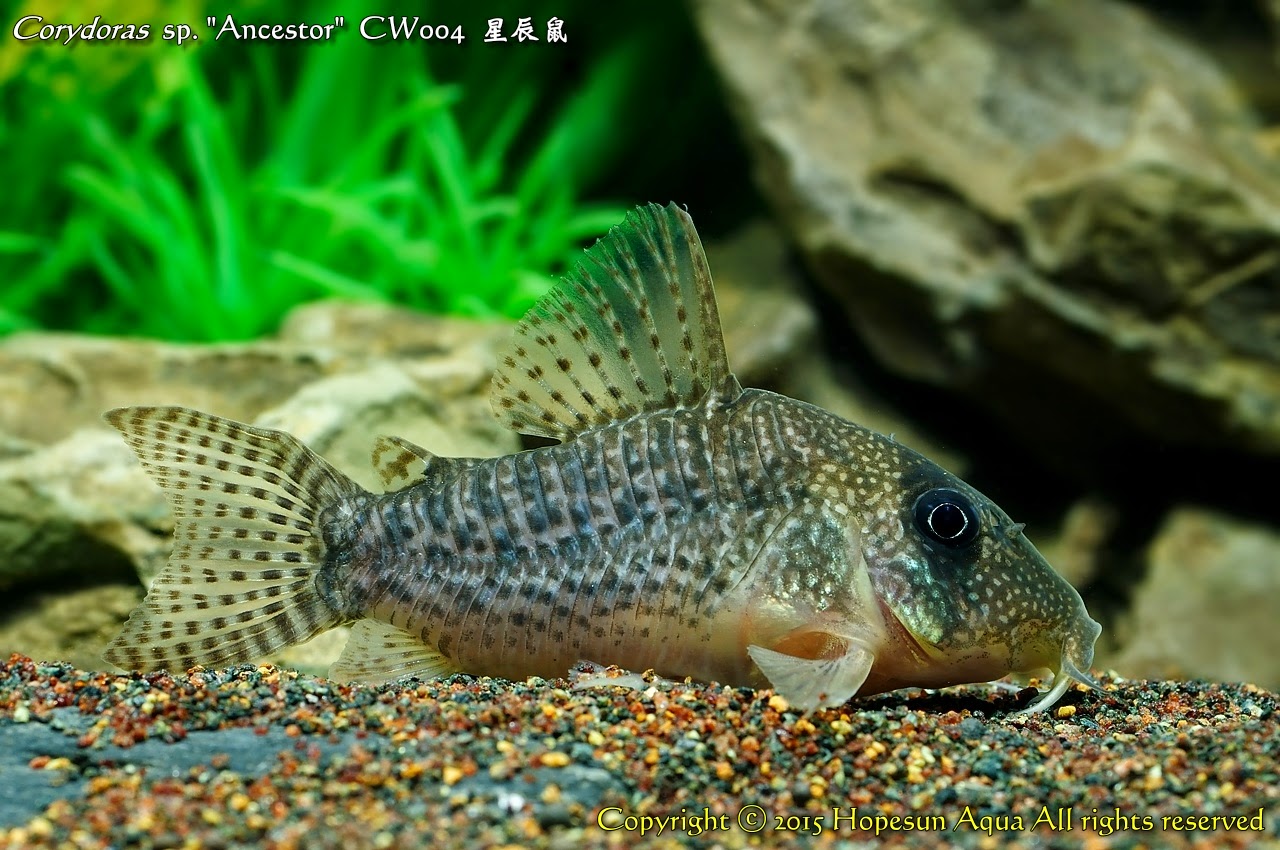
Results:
x,y
539,592
534,496
483,507
692,462
593,458
685,568
664,457
695,464
569,591
645,484
566,510
520,487
517,511
462,526
638,475
754,466
437,612
665,558
753,472
618,481
650,577
434,508
739,461
396,523
500,590
388,558
555,497
572,468
458,591
503,530
774,445
406,594
480,602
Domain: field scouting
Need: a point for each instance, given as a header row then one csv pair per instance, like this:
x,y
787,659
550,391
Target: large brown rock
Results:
x,y
1058,208
771,339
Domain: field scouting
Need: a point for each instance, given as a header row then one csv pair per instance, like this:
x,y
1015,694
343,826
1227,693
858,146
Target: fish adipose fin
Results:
x,y
378,652
400,464
809,683
632,328
246,576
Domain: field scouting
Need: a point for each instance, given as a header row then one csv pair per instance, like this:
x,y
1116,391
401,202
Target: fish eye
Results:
x,y
947,516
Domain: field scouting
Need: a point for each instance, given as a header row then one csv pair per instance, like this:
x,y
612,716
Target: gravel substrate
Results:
x,y
265,757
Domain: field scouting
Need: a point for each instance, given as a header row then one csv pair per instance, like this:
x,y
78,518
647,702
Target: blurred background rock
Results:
x,y
1038,242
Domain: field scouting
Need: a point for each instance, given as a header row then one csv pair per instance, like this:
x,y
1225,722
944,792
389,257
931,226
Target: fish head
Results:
x,y
974,597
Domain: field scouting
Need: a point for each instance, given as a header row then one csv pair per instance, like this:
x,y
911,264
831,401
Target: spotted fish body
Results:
x,y
681,524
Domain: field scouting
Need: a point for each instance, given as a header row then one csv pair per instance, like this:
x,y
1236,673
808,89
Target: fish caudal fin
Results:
x,y
247,575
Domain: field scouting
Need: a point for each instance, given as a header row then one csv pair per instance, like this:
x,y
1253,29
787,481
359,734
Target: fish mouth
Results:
x,y
1073,664
915,646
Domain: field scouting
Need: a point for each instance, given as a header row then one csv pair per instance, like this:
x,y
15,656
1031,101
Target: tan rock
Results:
x,y
82,508
1207,607
75,506
52,384
1079,544
70,625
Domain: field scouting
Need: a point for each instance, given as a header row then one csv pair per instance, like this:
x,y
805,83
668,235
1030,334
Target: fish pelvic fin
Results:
x,y
378,652
248,573
632,328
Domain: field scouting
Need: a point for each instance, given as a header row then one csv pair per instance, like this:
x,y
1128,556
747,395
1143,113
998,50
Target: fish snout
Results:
x,y
1074,658
1077,649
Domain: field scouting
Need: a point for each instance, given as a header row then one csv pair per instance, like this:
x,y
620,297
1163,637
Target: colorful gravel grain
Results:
x,y
264,757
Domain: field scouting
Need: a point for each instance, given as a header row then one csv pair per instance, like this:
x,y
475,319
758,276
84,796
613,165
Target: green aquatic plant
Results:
x,y
223,198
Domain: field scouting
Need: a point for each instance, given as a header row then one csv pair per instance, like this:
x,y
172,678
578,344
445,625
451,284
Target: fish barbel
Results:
x,y
681,524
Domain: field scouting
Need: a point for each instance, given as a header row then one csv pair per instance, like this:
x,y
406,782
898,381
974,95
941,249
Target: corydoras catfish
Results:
x,y
680,524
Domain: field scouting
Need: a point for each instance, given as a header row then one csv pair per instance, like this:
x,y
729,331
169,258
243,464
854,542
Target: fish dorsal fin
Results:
x,y
378,652
400,463
634,327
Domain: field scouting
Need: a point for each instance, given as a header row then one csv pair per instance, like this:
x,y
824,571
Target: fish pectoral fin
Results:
x,y
809,683
378,652
632,328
